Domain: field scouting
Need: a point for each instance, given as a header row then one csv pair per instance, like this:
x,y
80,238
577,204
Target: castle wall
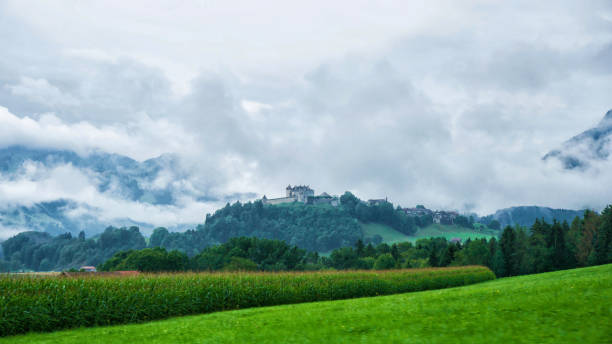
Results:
x,y
281,200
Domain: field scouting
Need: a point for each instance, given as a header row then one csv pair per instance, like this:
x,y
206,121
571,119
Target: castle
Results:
x,y
303,194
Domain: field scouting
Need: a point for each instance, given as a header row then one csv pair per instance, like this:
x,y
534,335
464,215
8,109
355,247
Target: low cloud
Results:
x,y
457,116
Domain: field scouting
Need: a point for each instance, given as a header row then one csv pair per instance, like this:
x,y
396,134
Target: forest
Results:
x,y
297,232
320,228
542,247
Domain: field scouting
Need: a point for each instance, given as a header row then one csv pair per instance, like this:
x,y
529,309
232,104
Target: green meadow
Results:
x,y
571,306
392,236
453,231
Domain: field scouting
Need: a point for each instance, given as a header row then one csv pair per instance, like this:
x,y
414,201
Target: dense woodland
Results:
x,y
543,247
318,228
222,243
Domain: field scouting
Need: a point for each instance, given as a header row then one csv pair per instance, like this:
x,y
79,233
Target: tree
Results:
x,y
590,224
349,202
602,250
498,265
360,247
495,225
507,247
344,258
395,252
384,261
370,251
558,249
449,254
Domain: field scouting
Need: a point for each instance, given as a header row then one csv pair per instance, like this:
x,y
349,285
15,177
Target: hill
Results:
x,y
157,183
543,308
390,236
526,215
453,231
588,147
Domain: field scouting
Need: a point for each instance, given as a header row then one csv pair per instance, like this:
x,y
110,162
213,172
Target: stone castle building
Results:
x,y
302,194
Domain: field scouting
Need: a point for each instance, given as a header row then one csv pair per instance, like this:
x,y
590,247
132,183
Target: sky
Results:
x,y
450,104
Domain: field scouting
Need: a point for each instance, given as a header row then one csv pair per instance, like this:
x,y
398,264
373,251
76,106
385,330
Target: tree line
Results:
x,y
542,247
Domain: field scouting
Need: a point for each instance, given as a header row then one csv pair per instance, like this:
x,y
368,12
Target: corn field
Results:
x,y
44,304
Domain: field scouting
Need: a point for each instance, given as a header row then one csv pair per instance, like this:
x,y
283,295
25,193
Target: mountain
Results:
x,y
54,218
583,149
526,215
116,174
157,183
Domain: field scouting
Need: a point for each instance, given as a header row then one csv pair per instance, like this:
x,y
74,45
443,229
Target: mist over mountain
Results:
x,y
59,191
591,145
526,215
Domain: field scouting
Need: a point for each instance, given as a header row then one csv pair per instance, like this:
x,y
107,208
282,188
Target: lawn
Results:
x,y
572,306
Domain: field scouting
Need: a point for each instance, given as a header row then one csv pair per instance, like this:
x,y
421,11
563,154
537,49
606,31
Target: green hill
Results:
x,y
388,234
453,231
571,306
392,236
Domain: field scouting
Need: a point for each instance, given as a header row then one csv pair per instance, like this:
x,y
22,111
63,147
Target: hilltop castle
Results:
x,y
303,194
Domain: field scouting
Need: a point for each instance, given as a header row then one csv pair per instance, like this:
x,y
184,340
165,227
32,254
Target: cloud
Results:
x,y
36,183
141,138
41,91
8,232
450,105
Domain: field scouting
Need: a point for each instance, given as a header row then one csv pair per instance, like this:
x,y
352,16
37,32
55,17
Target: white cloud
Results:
x,y
41,91
36,183
140,139
450,104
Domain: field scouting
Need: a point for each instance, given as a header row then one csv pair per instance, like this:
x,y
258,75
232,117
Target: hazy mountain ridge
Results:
x,y
591,145
54,218
158,183
526,215
120,175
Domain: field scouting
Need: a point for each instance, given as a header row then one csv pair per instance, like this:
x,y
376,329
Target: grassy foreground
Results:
x,y
572,306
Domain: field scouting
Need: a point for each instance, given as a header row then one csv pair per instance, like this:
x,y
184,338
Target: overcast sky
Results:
x,y
451,104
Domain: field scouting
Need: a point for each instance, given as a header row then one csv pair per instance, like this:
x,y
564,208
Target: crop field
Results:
x,y
52,303
571,306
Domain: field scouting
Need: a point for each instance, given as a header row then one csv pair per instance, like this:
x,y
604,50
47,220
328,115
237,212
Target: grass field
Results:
x,y
388,234
391,236
572,306
453,231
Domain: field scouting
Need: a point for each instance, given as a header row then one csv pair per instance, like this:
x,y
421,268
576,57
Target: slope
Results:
x,y
542,308
586,148
391,236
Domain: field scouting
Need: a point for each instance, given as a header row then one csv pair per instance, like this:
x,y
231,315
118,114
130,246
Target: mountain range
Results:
x,y
592,145
160,182
164,182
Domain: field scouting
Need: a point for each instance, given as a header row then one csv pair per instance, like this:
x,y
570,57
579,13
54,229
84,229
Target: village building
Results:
x,y
418,211
445,217
380,201
325,198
